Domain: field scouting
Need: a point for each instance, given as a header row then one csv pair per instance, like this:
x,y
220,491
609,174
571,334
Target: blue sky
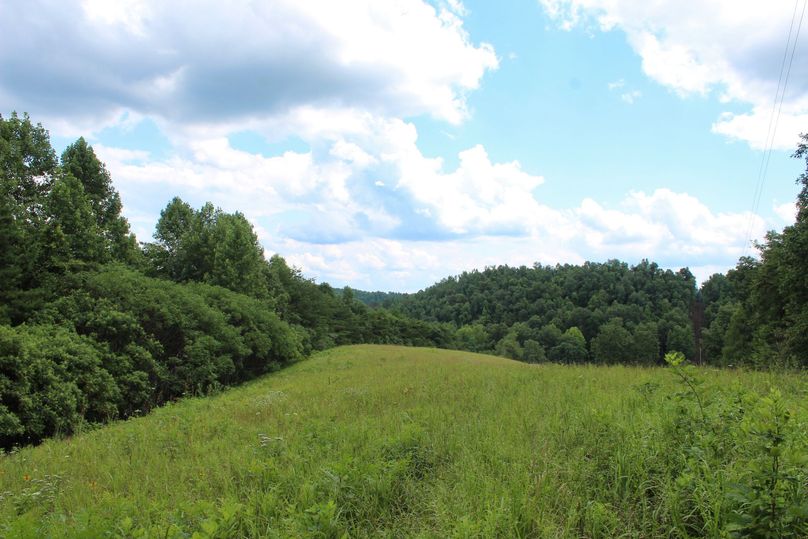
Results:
x,y
386,145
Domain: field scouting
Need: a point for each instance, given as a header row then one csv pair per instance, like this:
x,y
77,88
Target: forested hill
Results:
x,y
754,315
607,312
378,298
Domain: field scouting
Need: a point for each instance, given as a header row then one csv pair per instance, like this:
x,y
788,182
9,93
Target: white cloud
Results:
x,y
214,63
729,48
674,229
787,212
670,227
120,155
347,151
343,178
326,211
479,196
754,127
631,97
129,14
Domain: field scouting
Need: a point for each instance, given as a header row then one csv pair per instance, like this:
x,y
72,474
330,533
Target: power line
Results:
x,y
774,119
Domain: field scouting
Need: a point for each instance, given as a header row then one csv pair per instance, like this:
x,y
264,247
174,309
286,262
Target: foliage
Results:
x,y
208,246
535,303
116,342
765,491
27,162
51,382
771,499
217,314
760,314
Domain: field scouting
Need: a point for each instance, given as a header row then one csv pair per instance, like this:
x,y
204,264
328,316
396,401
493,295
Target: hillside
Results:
x,y
393,441
606,313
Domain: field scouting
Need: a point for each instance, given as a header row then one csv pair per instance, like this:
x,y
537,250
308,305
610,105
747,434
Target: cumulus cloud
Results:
x,y
479,196
675,225
214,63
371,210
371,181
729,48
674,229
753,127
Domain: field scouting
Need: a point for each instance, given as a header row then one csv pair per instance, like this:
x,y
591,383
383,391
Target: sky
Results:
x,y
386,145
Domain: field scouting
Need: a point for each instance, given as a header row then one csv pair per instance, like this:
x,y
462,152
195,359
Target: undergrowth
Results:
x,y
742,469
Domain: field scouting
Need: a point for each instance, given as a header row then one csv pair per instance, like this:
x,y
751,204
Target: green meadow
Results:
x,y
388,441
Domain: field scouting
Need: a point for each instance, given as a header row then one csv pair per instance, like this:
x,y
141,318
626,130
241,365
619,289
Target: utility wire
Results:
x,y
774,119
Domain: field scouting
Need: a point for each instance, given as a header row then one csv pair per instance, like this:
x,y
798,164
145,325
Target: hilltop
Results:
x,y
388,441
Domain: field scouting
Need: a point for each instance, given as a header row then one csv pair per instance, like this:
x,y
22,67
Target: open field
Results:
x,y
388,441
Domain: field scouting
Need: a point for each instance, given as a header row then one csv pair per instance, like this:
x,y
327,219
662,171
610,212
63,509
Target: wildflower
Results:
x,y
26,477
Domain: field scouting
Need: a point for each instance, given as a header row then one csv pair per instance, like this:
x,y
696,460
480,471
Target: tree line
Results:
x,y
95,326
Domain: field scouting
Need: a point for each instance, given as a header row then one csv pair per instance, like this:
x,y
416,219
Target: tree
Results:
x,y
770,323
12,252
166,255
613,343
715,334
802,197
571,347
680,339
71,232
27,169
473,338
208,246
549,336
238,259
27,162
79,160
509,347
646,343
533,352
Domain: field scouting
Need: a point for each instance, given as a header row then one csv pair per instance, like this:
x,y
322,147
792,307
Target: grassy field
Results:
x,y
385,441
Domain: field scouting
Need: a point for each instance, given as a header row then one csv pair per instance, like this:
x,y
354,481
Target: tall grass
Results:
x,y
385,441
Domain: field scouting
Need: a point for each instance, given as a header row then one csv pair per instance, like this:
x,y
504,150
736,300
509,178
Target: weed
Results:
x,y
772,502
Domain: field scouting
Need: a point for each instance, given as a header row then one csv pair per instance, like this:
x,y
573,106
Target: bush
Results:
x,y
51,381
116,342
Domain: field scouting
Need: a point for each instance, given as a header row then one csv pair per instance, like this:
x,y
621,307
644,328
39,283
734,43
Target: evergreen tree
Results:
x,y
238,258
27,163
71,231
79,160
